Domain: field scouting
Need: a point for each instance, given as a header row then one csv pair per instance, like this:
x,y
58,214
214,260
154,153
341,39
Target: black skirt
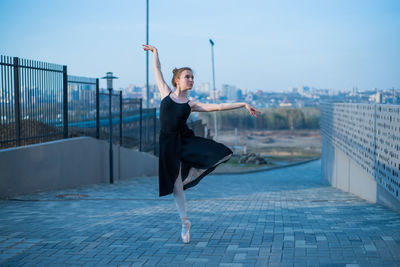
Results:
x,y
196,156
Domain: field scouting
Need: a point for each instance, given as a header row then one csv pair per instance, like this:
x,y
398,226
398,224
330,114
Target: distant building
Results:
x,y
354,91
229,91
239,94
249,98
394,96
378,97
144,94
285,102
203,89
305,91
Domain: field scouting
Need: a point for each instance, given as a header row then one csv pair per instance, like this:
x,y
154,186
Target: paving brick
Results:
x,y
261,219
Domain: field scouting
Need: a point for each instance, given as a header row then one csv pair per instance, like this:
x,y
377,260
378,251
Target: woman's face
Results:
x,y
185,81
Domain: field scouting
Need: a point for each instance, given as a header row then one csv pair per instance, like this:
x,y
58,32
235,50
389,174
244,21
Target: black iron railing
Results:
x,y
31,101
40,102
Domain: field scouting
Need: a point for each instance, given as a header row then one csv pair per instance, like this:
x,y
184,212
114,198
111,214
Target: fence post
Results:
x,y
17,102
375,161
140,125
97,109
65,100
155,128
120,118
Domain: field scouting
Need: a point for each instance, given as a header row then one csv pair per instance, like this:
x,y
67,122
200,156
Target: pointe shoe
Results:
x,y
185,231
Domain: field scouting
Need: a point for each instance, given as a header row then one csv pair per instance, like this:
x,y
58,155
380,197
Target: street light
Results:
x,y
109,77
215,93
147,56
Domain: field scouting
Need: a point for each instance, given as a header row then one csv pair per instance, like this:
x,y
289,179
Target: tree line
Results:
x,y
269,119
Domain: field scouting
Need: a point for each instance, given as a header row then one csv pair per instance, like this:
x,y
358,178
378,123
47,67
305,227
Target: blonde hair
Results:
x,y
177,74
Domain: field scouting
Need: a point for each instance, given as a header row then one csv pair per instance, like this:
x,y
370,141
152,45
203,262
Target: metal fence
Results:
x,y
140,126
31,101
370,135
83,112
39,102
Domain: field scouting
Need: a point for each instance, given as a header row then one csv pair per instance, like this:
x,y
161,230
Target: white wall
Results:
x,y
343,173
68,163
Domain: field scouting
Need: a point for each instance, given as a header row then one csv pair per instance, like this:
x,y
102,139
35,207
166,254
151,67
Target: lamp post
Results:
x,y
109,77
147,56
214,90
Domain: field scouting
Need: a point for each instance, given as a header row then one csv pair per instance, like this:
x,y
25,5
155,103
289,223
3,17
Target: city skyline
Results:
x,y
259,45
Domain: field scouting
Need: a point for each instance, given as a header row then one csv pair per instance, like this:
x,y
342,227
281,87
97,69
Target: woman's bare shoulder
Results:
x,y
165,93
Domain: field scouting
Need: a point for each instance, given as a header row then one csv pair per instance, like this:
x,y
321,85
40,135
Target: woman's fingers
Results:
x,y
253,111
257,111
148,47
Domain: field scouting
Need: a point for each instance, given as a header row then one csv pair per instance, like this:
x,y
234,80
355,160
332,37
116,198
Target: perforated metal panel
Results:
x,y
370,135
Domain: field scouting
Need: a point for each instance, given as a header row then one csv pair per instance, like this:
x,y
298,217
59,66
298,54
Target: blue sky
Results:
x,y
267,45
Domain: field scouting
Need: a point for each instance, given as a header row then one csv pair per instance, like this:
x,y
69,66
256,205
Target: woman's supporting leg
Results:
x,y
180,201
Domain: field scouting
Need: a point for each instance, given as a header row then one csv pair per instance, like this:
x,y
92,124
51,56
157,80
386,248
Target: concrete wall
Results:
x,y
68,163
343,173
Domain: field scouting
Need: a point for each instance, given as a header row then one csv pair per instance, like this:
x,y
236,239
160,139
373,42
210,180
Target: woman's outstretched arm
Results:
x,y
161,84
201,107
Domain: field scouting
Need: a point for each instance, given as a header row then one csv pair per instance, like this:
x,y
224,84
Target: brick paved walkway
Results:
x,y
285,217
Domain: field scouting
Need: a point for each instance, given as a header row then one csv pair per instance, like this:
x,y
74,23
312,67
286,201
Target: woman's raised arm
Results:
x,y
161,84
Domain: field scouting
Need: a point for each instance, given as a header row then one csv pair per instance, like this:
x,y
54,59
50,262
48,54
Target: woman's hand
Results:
x,y
149,47
252,110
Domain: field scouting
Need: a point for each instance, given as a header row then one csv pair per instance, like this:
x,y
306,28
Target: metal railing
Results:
x,y
31,101
83,103
39,102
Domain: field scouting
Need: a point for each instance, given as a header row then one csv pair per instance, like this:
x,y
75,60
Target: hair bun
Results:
x,y
174,70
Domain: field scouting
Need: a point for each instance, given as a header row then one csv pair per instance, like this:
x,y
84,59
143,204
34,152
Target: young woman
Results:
x,y
185,158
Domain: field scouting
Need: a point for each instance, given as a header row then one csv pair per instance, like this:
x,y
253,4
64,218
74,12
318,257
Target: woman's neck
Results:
x,y
180,93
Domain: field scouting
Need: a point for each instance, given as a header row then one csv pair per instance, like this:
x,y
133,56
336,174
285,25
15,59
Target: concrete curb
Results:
x,y
268,168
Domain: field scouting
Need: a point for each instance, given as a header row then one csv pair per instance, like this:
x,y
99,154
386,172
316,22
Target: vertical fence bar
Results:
x,y
43,85
154,129
34,96
7,105
140,124
375,161
11,101
45,99
40,96
47,90
7,85
65,100
97,109
2,91
17,102
22,85
120,118
3,98
51,92
110,133
29,103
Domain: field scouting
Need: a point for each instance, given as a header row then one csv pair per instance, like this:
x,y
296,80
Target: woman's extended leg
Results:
x,y
194,173
180,201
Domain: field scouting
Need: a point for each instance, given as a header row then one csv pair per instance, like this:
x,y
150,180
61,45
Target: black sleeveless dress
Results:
x,y
180,148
